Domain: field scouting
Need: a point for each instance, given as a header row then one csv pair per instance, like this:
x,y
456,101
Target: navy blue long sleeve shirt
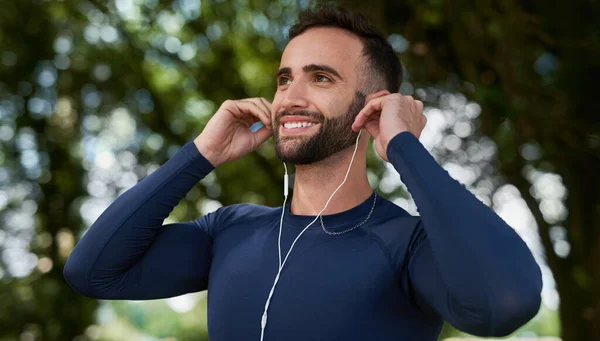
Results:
x,y
397,277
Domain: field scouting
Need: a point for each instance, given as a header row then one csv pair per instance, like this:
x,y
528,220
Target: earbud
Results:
x,y
256,126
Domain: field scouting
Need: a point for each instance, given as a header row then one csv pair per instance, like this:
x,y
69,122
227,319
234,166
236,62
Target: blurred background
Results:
x,y
95,95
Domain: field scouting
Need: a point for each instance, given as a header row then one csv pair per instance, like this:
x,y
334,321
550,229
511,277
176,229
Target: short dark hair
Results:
x,y
380,59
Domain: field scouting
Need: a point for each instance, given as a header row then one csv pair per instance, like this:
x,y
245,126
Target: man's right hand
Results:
x,y
227,135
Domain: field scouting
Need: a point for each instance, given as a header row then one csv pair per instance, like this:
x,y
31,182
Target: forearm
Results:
x,y
483,263
124,232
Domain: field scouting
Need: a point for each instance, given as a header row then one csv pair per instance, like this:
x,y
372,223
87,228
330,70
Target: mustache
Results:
x,y
316,116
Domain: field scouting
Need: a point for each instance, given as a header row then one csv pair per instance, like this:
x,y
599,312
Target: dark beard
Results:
x,y
334,135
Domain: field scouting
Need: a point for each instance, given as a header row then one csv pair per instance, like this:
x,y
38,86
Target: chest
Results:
x,y
328,282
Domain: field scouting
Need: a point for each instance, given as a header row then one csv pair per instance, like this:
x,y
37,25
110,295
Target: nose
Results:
x,y
294,97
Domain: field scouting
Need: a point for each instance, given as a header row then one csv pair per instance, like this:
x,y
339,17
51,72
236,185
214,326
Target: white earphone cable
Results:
x,y
263,323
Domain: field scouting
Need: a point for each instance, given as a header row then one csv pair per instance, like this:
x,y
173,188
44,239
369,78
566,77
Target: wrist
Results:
x,y
208,154
399,141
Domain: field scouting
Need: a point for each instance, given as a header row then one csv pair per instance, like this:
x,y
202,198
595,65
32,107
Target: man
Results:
x,y
363,269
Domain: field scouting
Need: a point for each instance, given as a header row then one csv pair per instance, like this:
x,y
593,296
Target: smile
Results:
x,y
296,125
297,128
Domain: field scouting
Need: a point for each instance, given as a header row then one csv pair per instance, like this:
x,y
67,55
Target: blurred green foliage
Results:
x,y
94,95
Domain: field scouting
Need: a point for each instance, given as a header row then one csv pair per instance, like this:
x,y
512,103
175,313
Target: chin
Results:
x,y
295,156
288,149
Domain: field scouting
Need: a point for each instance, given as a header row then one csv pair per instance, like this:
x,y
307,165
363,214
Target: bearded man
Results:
x,y
339,262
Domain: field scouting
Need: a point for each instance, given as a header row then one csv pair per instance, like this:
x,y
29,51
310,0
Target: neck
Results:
x,y
315,183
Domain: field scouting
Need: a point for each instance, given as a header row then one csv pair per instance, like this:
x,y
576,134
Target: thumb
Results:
x,y
261,135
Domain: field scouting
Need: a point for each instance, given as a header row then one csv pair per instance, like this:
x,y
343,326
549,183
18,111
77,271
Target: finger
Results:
x,y
371,122
423,124
372,126
373,107
419,103
245,107
261,135
260,102
258,105
267,104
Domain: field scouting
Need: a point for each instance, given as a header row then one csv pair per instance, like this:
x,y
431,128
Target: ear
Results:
x,y
377,94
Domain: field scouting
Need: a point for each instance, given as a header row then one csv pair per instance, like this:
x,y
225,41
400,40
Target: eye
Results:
x,y
283,81
322,78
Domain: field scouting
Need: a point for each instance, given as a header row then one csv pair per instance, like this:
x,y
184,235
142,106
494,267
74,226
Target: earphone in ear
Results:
x,y
254,127
263,321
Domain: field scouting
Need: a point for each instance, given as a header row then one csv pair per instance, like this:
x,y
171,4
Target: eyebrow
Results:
x,y
311,68
284,71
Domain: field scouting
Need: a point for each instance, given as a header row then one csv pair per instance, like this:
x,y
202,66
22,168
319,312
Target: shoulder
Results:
x,y
246,212
229,215
395,230
392,218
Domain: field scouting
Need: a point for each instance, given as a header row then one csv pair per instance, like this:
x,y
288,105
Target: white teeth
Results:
x,y
294,125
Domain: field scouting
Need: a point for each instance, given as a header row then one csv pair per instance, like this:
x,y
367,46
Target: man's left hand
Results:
x,y
387,116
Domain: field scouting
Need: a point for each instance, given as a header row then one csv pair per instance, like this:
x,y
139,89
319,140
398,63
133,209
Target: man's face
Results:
x,y
317,98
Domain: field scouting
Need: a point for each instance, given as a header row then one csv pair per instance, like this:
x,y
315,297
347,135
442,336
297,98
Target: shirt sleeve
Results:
x,y
129,254
466,264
